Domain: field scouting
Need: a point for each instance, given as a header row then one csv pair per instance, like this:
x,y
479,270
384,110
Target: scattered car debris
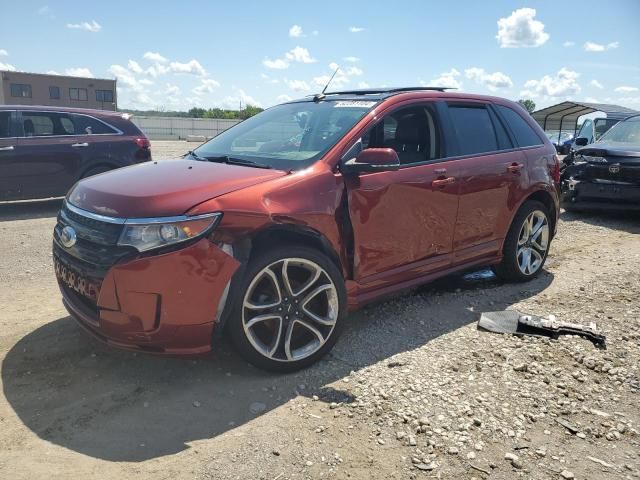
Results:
x,y
514,322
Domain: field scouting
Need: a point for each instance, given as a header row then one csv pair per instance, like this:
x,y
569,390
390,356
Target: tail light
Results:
x,y
555,171
143,142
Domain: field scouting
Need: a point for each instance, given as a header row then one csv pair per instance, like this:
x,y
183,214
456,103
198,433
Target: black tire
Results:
x,y
510,268
96,170
256,269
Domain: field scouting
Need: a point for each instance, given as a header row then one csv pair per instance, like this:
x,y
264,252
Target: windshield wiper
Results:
x,y
193,154
237,161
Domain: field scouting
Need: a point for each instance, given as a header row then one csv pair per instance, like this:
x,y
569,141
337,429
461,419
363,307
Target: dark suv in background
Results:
x,y
45,150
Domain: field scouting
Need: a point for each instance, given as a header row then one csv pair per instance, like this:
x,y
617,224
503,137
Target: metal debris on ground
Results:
x,y
514,322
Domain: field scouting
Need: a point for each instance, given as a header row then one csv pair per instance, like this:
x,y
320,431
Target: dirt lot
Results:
x,y
412,389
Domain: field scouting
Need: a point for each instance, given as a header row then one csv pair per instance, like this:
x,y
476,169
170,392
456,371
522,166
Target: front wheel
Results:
x,y
290,310
527,244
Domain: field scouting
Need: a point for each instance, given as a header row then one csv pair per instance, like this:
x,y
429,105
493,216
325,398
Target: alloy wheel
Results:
x,y
533,242
290,309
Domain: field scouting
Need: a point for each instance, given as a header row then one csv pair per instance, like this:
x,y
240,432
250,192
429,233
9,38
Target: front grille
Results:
x,y
625,173
95,250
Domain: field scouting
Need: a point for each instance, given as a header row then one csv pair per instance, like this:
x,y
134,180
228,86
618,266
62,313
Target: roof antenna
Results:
x,y
320,96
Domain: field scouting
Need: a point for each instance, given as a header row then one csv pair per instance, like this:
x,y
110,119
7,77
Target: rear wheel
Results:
x,y
290,310
527,243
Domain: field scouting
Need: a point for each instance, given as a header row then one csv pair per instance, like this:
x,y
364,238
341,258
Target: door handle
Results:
x,y
515,167
443,182
85,144
440,171
6,149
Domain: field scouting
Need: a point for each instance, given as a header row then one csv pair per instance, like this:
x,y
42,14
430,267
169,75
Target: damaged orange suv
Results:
x,y
279,226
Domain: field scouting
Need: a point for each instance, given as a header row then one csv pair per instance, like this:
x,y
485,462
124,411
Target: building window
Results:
x,y
104,96
54,93
20,90
78,94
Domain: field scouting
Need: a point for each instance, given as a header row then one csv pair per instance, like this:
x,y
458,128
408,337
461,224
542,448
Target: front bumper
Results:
x,y
164,304
601,194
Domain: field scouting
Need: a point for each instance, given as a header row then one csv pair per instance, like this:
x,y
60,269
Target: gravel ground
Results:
x,y
411,390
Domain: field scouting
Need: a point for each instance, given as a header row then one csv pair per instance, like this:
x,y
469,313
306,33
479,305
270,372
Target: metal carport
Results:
x,y
565,115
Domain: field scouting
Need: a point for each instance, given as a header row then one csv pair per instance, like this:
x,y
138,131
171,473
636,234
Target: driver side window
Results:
x,y
413,132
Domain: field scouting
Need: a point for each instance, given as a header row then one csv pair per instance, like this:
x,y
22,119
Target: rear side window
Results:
x,y
5,124
474,129
39,124
95,126
525,135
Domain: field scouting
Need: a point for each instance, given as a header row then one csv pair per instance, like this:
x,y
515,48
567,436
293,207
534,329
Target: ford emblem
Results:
x,y
68,237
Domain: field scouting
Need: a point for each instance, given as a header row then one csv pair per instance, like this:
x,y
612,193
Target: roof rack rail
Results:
x,y
374,91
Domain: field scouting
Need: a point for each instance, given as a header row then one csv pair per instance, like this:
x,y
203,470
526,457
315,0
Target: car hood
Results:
x,y
605,150
163,188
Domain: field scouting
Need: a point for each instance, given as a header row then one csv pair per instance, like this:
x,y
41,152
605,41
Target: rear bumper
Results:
x,y
601,195
164,304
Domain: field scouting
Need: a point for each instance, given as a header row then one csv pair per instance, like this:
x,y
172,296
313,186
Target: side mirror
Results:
x,y
582,141
372,160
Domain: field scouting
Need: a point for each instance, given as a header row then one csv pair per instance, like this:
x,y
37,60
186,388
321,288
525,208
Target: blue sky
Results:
x,y
176,55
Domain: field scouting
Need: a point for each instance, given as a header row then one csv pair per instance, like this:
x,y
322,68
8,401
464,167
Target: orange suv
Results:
x,y
279,226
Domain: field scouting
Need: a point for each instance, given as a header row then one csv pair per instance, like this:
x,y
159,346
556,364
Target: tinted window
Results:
x,y
54,93
82,122
104,96
5,124
504,142
412,132
78,94
525,135
474,129
37,124
586,130
20,90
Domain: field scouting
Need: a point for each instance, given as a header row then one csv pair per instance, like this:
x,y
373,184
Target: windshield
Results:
x,y
624,133
289,136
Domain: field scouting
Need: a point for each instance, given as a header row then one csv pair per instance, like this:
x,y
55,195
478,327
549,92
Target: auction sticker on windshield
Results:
x,y
355,103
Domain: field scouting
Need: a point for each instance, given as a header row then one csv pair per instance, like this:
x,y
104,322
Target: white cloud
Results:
x,y
207,85
595,83
528,94
520,29
564,83
300,54
354,71
79,72
625,89
356,29
44,10
92,26
171,90
493,81
446,79
154,57
233,101
296,31
276,64
352,59
134,66
363,85
123,75
298,85
52,72
3,53
333,66
597,47
192,67
145,81
569,44
283,98
7,66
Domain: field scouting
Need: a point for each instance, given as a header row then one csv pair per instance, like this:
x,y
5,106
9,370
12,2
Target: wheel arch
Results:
x,y
543,196
261,240
93,166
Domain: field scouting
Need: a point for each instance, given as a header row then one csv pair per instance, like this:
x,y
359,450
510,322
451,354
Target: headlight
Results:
x,y
149,233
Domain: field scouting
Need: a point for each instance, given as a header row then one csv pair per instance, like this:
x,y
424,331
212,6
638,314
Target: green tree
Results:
x,y
529,105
